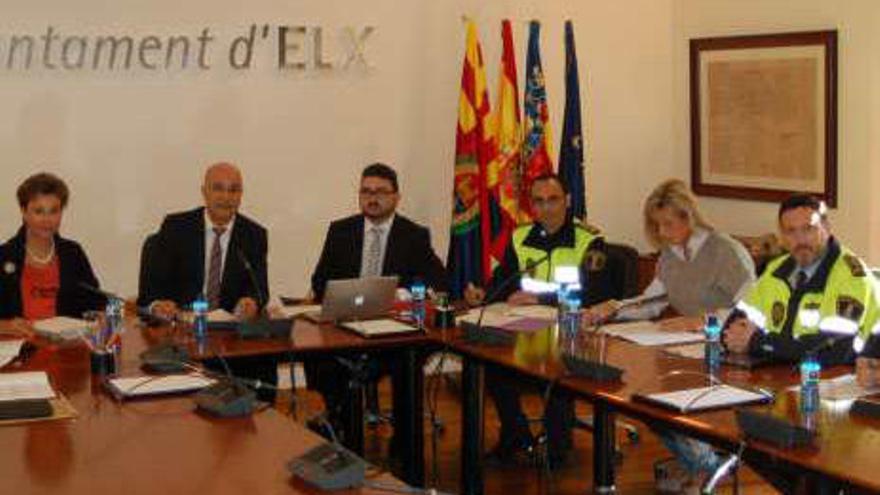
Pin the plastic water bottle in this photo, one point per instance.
(113, 317)
(810, 371)
(713, 350)
(200, 317)
(569, 300)
(419, 293)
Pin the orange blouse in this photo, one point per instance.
(39, 290)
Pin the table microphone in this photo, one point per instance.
(262, 326)
(261, 300)
(475, 331)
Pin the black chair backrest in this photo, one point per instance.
(148, 262)
(623, 262)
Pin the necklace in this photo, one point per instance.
(42, 260)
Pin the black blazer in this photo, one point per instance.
(73, 269)
(176, 263)
(408, 254)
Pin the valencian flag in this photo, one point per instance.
(503, 173)
(474, 149)
(536, 143)
(571, 150)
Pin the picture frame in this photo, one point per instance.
(764, 116)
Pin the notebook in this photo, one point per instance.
(379, 328)
(704, 398)
(146, 385)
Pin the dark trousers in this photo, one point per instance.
(336, 379)
(505, 391)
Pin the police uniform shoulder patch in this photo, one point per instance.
(850, 308)
(594, 260)
(592, 229)
(855, 265)
(777, 313)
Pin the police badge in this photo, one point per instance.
(850, 308)
(777, 313)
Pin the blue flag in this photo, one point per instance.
(571, 149)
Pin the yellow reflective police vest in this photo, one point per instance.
(839, 299)
(560, 256)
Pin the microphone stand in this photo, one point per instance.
(475, 333)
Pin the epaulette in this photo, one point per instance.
(855, 265)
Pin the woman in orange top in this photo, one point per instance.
(41, 273)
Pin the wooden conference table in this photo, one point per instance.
(847, 449)
(162, 445)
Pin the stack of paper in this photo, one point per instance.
(697, 399)
(513, 318)
(377, 328)
(844, 387)
(25, 385)
(135, 386)
(294, 311)
(648, 333)
(9, 350)
(61, 327)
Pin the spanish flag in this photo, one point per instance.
(468, 258)
(504, 172)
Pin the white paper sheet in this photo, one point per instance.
(844, 387)
(649, 333)
(294, 311)
(25, 385)
(501, 314)
(696, 399)
(134, 386)
(375, 328)
(61, 327)
(9, 350)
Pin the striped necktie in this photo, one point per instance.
(214, 269)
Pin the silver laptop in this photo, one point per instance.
(356, 299)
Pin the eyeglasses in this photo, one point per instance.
(547, 202)
(380, 193)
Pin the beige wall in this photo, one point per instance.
(856, 218)
(133, 146)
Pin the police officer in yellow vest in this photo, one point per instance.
(818, 298)
(553, 240)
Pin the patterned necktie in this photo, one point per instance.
(374, 253)
(214, 267)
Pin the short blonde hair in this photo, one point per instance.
(673, 194)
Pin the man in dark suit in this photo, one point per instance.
(395, 245)
(378, 241)
(213, 251)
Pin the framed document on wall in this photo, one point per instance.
(764, 116)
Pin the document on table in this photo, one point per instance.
(9, 350)
(702, 398)
(649, 333)
(294, 311)
(844, 387)
(514, 318)
(61, 327)
(25, 385)
(136, 386)
(689, 351)
(378, 328)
